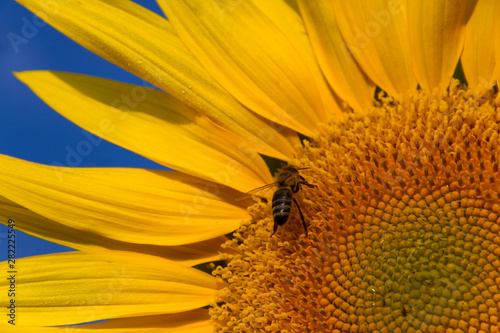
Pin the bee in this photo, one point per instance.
(288, 182)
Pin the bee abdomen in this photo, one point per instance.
(282, 205)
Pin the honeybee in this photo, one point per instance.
(288, 181)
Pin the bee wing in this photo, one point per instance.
(257, 192)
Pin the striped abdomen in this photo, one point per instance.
(282, 205)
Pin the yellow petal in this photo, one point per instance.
(87, 240)
(6, 327)
(496, 44)
(285, 16)
(376, 34)
(143, 43)
(128, 205)
(152, 124)
(437, 33)
(478, 60)
(76, 287)
(194, 321)
(248, 55)
(338, 65)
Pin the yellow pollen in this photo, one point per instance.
(403, 228)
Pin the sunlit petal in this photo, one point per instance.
(478, 60)
(337, 63)
(195, 321)
(128, 205)
(76, 287)
(6, 327)
(496, 44)
(285, 15)
(88, 240)
(143, 43)
(152, 124)
(437, 34)
(248, 55)
(376, 34)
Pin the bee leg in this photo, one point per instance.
(303, 181)
(301, 216)
(275, 227)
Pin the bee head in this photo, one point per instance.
(288, 176)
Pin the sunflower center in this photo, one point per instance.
(403, 228)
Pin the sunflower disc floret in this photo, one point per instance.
(404, 229)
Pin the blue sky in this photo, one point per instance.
(31, 130)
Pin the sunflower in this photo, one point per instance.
(403, 212)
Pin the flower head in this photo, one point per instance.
(403, 231)
(402, 208)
